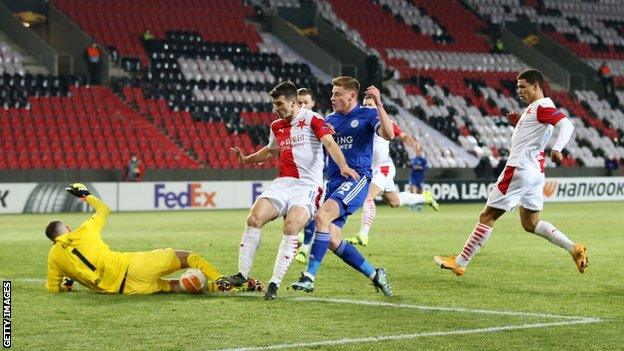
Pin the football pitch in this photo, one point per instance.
(519, 293)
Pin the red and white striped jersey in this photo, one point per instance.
(532, 132)
(299, 143)
(381, 148)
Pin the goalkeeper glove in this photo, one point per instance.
(78, 190)
(68, 283)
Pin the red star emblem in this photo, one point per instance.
(301, 124)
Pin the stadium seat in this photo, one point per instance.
(80, 141)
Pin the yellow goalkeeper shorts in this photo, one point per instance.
(147, 268)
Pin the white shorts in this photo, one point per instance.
(286, 193)
(383, 177)
(518, 186)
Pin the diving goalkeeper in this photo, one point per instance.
(81, 255)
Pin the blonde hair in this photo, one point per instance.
(349, 83)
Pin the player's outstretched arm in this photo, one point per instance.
(96, 222)
(259, 156)
(407, 139)
(80, 190)
(386, 130)
(566, 128)
(336, 154)
(101, 209)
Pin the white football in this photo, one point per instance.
(193, 281)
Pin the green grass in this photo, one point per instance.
(516, 271)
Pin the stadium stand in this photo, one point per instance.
(462, 90)
(208, 72)
(222, 72)
(222, 83)
(382, 30)
(213, 78)
(592, 30)
(10, 60)
(90, 128)
(120, 24)
(16, 89)
(209, 141)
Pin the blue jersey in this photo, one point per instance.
(418, 166)
(354, 135)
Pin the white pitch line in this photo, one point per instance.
(385, 304)
(25, 280)
(436, 308)
(568, 320)
(415, 335)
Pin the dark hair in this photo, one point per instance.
(287, 89)
(349, 83)
(305, 91)
(532, 76)
(369, 96)
(52, 229)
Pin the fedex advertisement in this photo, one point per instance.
(141, 196)
(198, 195)
(194, 196)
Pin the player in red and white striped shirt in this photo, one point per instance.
(306, 100)
(297, 137)
(522, 181)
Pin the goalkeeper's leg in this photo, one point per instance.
(146, 269)
(193, 260)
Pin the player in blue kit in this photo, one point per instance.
(354, 127)
(419, 167)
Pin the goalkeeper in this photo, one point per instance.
(81, 255)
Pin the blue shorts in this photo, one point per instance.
(417, 181)
(349, 194)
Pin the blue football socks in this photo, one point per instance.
(317, 252)
(351, 256)
(308, 233)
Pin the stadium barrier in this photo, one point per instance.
(197, 195)
(145, 196)
(555, 189)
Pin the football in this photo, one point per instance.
(193, 281)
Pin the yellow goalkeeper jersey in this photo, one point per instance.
(83, 256)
